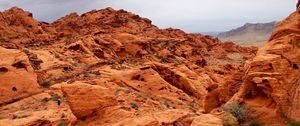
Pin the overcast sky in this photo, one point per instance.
(189, 15)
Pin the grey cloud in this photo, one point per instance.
(189, 15)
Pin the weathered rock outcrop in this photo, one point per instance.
(85, 98)
(112, 67)
(48, 108)
(18, 27)
(17, 78)
(271, 82)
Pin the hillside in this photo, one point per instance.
(250, 34)
(112, 67)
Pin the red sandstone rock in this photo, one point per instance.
(40, 109)
(112, 67)
(270, 87)
(17, 78)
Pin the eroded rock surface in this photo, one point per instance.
(112, 67)
(271, 84)
(17, 78)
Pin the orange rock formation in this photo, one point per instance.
(112, 67)
(271, 82)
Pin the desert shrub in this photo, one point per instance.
(14, 117)
(26, 51)
(240, 112)
(56, 98)
(45, 100)
(96, 73)
(63, 115)
(293, 123)
(193, 107)
(62, 124)
(253, 123)
(167, 104)
(134, 106)
(45, 84)
(56, 56)
(230, 120)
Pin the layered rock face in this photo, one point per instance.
(109, 67)
(271, 82)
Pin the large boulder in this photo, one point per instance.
(84, 98)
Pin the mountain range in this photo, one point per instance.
(250, 34)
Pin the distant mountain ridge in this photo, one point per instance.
(214, 34)
(251, 34)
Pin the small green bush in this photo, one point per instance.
(62, 115)
(55, 97)
(134, 106)
(167, 104)
(293, 123)
(230, 120)
(56, 55)
(45, 84)
(240, 112)
(193, 107)
(45, 100)
(253, 123)
(62, 124)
